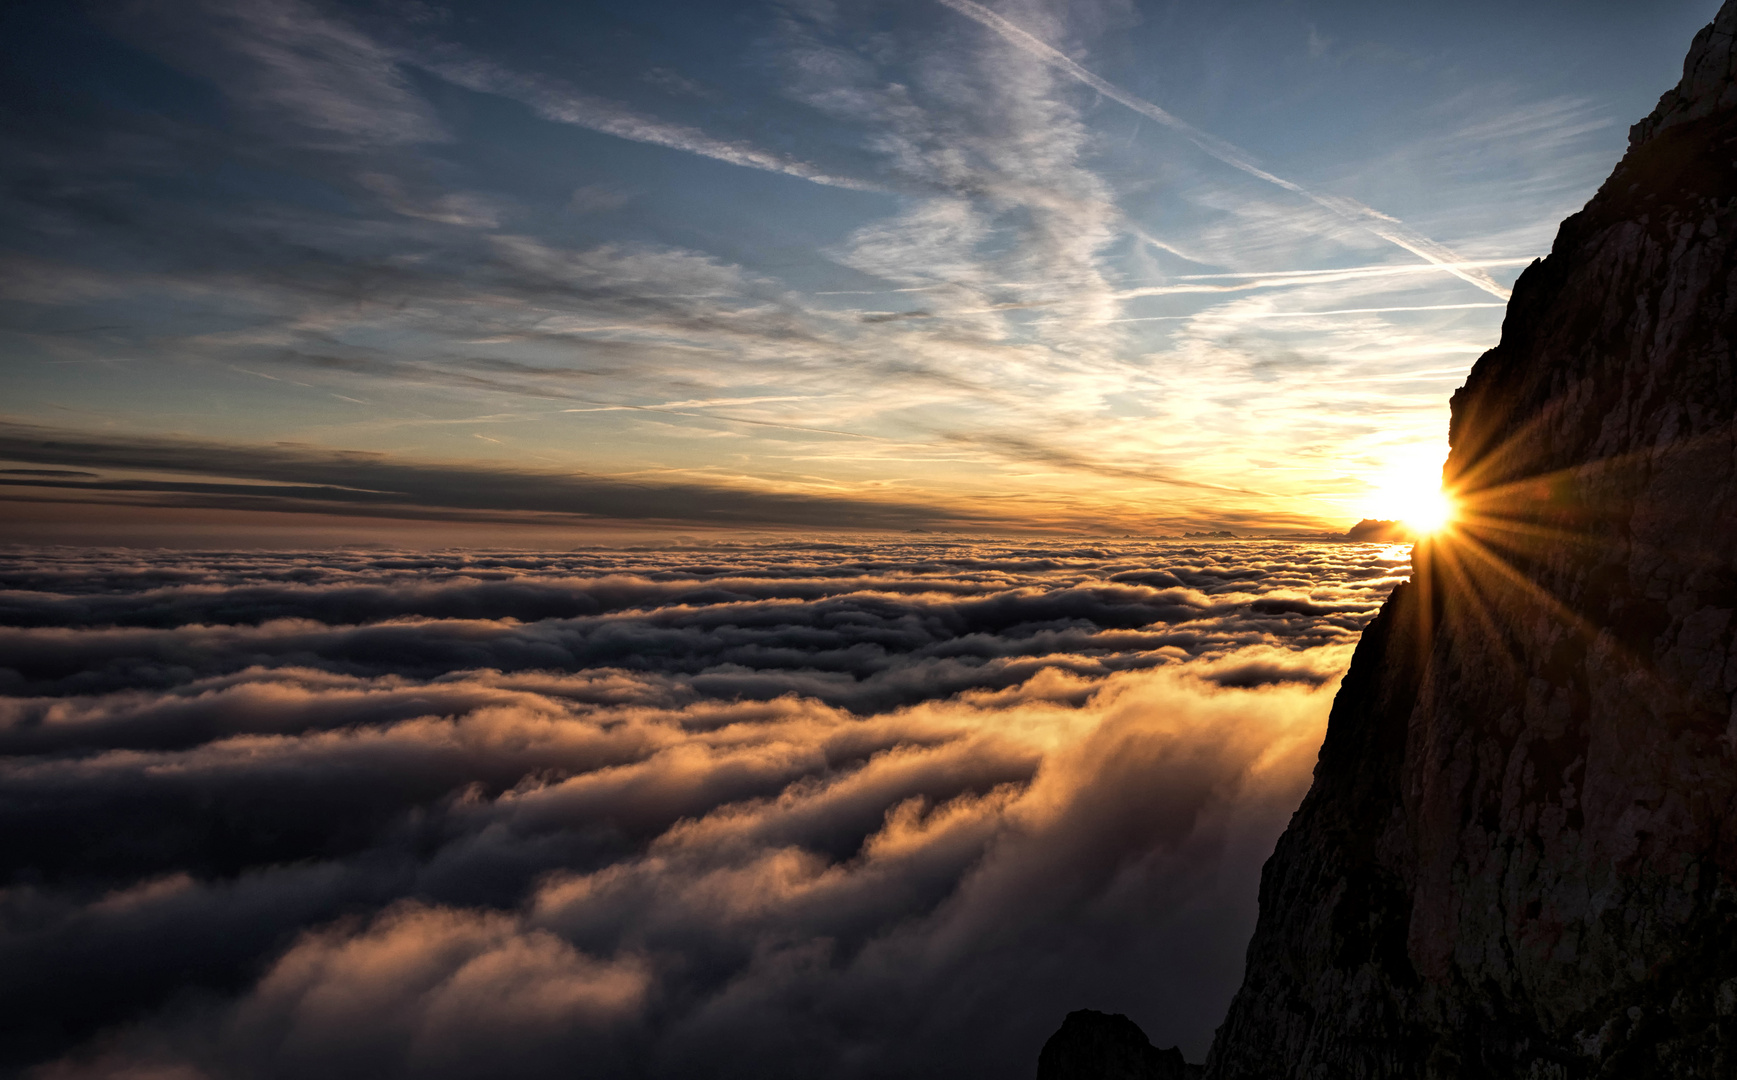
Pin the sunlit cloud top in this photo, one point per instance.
(1115, 267)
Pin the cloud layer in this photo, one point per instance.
(197, 474)
(762, 810)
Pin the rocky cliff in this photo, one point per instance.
(1519, 855)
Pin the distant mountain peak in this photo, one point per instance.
(1380, 530)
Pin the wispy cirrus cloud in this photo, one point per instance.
(555, 101)
(288, 64)
(1386, 226)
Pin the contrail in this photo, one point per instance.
(1304, 314)
(564, 105)
(1389, 268)
(611, 406)
(1272, 279)
(1386, 226)
(1146, 237)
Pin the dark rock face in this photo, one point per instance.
(1519, 855)
(1107, 1046)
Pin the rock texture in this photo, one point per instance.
(1108, 1046)
(1519, 855)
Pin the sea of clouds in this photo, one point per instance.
(764, 810)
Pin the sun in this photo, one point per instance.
(1411, 493)
(1426, 511)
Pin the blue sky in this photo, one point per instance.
(1124, 267)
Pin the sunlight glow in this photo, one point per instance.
(1428, 511)
(1412, 495)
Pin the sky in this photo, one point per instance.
(759, 810)
(461, 272)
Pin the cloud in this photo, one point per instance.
(69, 474)
(426, 990)
(1025, 449)
(562, 104)
(1013, 212)
(1386, 226)
(743, 810)
(304, 479)
(419, 991)
(456, 208)
(284, 62)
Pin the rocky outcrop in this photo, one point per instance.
(1092, 1045)
(1519, 854)
(1375, 530)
